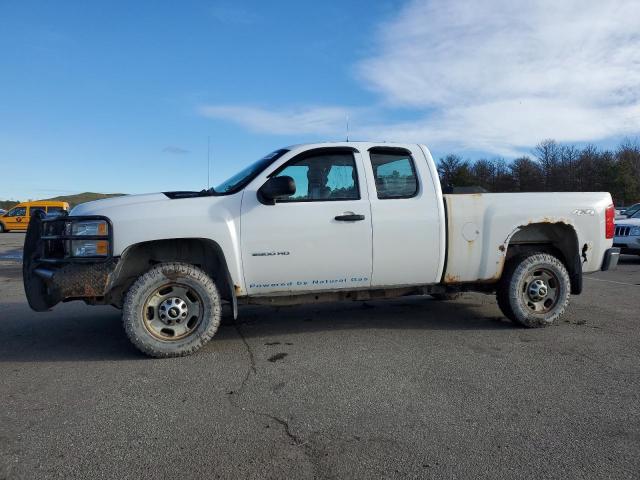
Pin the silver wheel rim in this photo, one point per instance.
(541, 290)
(173, 312)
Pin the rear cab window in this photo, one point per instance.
(394, 173)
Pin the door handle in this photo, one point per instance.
(349, 217)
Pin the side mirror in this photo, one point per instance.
(275, 188)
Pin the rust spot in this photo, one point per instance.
(501, 248)
(497, 275)
(237, 288)
(448, 278)
(83, 280)
(500, 268)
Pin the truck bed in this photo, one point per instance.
(480, 226)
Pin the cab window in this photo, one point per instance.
(322, 177)
(17, 212)
(33, 210)
(394, 174)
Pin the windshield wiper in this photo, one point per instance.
(191, 194)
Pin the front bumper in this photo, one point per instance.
(611, 257)
(628, 244)
(50, 277)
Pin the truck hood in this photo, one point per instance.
(98, 207)
(158, 216)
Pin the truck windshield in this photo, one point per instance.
(243, 177)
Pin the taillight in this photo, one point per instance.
(609, 224)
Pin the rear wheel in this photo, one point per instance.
(534, 290)
(172, 310)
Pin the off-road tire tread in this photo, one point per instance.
(502, 293)
(507, 298)
(135, 295)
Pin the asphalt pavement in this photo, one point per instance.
(406, 388)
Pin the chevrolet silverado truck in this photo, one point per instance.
(311, 223)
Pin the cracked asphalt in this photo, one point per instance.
(407, 388)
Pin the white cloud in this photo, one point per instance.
(501, 74)
(307, 121)
(496, 75)
(175, 150)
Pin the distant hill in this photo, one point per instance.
(72, 199)
(7, 204)
(84, 197)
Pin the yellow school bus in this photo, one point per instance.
(18, 217)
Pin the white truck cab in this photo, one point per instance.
(315, 222)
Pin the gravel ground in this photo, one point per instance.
(403, 388)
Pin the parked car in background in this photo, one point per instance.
(2, 211)
(627, 234)
(628, 211)
(18, 217)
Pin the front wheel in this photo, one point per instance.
(2, 228)
(534, 289)
(172, 310)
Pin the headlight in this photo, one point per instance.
(89, 227)
(634, 231)
(90, 247)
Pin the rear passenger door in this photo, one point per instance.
(405, 218)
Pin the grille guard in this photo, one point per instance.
(50, 275)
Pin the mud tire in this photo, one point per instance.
(136, 301)
(512, 294)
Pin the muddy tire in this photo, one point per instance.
(172, 310)
(446, 296)
(534, 290)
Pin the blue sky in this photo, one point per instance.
(121, 96)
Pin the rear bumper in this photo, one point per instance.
(610, 261)
(48, 282)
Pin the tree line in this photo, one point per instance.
(552, 167)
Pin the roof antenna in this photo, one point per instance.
(208, 160)
(347, 127)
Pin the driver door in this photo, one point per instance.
(319, 238)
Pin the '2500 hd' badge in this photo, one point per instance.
(268, 254)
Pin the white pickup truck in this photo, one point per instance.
(310, 223)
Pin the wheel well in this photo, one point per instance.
(557, 239)
(201, 252)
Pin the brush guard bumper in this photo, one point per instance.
(50, 275)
